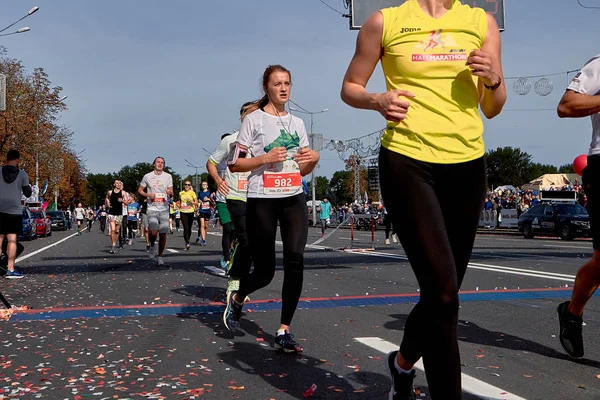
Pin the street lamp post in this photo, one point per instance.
(20, 30)
(312, 145)
(37, 152)
(195, 175)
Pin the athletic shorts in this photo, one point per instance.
(117, 218)
(144, 221)
(172, 216)
(10, 223)
(158, 221)
(205, 216)
(591, 185)
(132, 224)
(80, 220)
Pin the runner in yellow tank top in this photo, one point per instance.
(442, 63)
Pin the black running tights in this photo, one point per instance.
(262, 216)
(187, 219)
(243, 258)
(227, 239)
(437, 230)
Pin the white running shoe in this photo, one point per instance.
(387, 241)
(395, 238)
(152, 253)
(161, 261)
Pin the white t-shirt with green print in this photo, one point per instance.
(261, 132)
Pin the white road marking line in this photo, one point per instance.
(172, 251)
(486, 267)
(469, 384)
(215, 270)
(44, 248)
(569, 247)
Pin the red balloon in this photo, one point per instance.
(580, 163)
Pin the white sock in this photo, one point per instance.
(399, 369)
(280, 332)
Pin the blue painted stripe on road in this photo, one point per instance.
(162, 310)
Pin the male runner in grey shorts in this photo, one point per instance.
(157, 187)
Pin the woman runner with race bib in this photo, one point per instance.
(278, 144)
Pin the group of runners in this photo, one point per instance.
(434, 137)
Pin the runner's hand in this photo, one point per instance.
(391, 106)
(480, 63)
(306, 155)
(275, 155)
(223, 187)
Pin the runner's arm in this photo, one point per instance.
(222, 185)
(142, 192)
(577, 105)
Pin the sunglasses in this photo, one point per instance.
(187, 184)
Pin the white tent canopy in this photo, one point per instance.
(505, 188)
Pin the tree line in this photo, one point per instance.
(30, 123)
(505, 166)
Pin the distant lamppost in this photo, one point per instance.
(37, 153)
(316, 143)
(189, 164)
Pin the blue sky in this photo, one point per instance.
(154, 77)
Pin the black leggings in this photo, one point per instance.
(387, 221)
(187, 219)
(227, 239)
(262, 217)
(242, 259)
(437, 233)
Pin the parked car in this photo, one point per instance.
(29, 229)
(565, 220)
(42, 222)
(59, 220)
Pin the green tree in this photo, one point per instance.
(508, 166)
(97, 186)
(321, 187)
(566, 169)
(341, 187)
(536, 170)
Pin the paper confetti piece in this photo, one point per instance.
(310, 391)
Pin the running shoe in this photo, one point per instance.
(287, 343)
(187, 246)
(197, 239)
(571, 335)
(402, 384)
(147, 248)
(395, 238)
(203, 242)
(14, 274)
(161, 262)
(233, 285)
(232, 313)
(223, 263)
(152, 253)
(387, 241)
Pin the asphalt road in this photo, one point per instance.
(108, 326)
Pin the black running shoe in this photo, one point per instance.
(402, 384)
(287, 343)
(232, 313)
(571, 336)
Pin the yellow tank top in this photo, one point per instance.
(427, 57)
